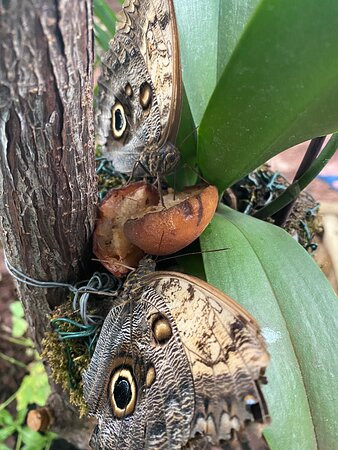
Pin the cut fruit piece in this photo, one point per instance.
(115, 252)
(165, 230)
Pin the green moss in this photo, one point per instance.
(67, 358)
(106, 182)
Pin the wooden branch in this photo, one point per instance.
(47, 181)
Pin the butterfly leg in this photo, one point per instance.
(131, 176)
(159, 188)
(158, 178)
(138, 163)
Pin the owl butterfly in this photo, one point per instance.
(140, 90)
(178, 364)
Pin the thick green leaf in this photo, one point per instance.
(278, 282)
(280, 87)
(208, 33)
(102, 37)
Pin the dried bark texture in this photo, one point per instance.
(47, 182)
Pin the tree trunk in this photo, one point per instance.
(48, 186)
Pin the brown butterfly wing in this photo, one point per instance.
(227, 357)
(196, 359)
(142, 63)
(152, 24)
(158, 413)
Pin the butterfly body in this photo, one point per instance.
(195, 359)
(139, 100)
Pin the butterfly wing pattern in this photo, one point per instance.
(227, 357)
(158, 406)
(178, 364)
(140, 89)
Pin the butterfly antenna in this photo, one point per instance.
(131, 176)
(174, 196)
(184, 159)
(196, 171)
(115, 263)
(195, 253)
(188, 136)
(159, 188)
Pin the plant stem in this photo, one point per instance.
(25, 342)
(292, 191)
(8, 401)
(18, 441)
(13, 361)
(310, 155)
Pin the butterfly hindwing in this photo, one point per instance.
(152, 23)
(227, 357)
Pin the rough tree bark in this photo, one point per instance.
(47, 181)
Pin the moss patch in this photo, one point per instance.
(67, 358)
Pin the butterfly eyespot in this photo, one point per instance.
(119, 122)
(161, 329)
(128, 90)
(145, 95)
(122, 392)
(151, 376)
